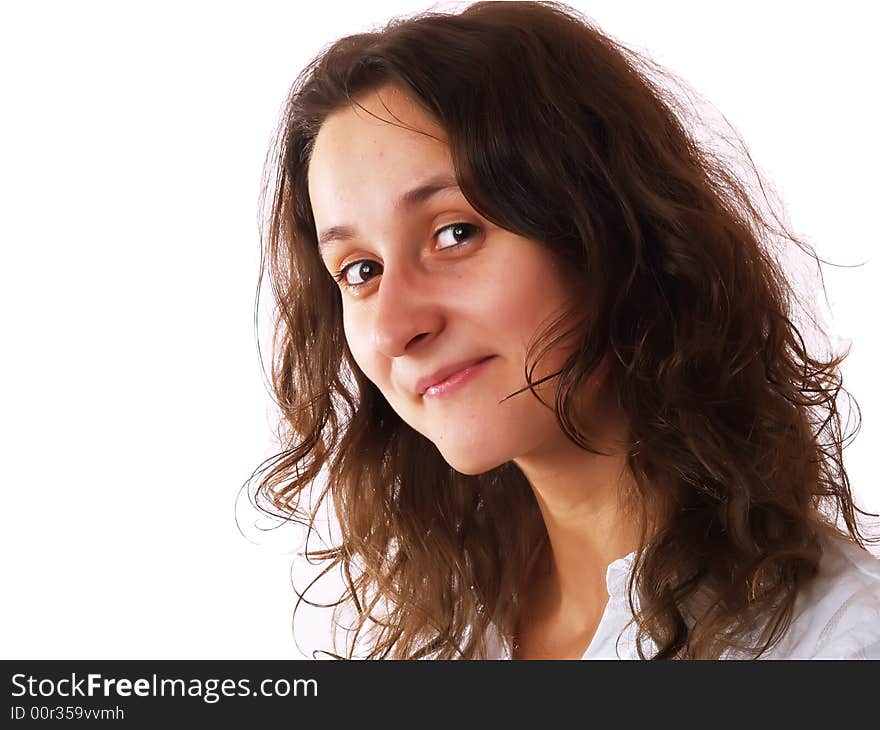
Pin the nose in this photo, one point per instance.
(406, 311)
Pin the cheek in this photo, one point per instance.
(524, 310)
(355, 340)
(360, 344)
(527, 311)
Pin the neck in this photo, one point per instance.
(580, 497)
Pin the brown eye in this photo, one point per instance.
(461, 233)
(363, 268)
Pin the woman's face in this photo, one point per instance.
(419, 302)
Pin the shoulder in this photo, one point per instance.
(837, 615)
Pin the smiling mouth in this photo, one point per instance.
(456, 380)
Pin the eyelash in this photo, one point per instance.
(340, 275)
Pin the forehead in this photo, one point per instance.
(361, 162)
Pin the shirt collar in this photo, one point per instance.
(617, 575)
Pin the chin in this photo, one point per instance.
(471, 464)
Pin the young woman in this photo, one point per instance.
(531, 334)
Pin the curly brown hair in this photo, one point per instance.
(735, 440)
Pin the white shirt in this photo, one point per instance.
(836, 616)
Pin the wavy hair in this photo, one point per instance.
(562, 135)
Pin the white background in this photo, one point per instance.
(132, 138)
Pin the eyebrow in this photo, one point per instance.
(418, 195)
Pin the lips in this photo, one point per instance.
(438, 376)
